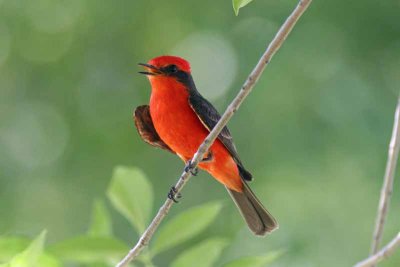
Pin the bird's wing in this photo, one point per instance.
(209, 116)
(145, 127)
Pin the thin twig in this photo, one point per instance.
(384, 201)
(232, 108)
(387, 186)
(382, 254)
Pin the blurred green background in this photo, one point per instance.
(314, 132)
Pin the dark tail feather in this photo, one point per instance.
(259, 220)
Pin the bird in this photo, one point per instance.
(178, 119)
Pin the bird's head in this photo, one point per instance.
(167, 67)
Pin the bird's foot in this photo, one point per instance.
(174, 193)
(189, 168)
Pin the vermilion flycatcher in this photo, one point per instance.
(179, 119)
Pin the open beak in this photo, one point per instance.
(153, 69)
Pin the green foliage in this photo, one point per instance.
(9, 246)
(202, 255)
(30, 256)
(101, 264)
(48, 260)
(132, 195)
(255, 261)
(99, 247)
(185, 225)
(90, 249)
(101, 220)
(33, 255)
(238, 4)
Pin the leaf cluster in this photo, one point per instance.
(131, 194)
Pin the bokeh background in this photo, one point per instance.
(314, 132)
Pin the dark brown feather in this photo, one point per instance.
(145, 127)
(259, 220)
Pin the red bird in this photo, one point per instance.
(179, 119)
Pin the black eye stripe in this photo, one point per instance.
(180, 75)
(171, 69)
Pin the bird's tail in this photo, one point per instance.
(259, 220)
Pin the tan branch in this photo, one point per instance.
(232, 108)
(387, 186)
(382, 254)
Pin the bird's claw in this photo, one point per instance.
(174, 193)
(189, 168)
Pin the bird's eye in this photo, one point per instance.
(171, 68)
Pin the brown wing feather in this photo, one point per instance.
(145, 127)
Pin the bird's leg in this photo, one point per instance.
(172, 193)
(189, 168)
(195, 171)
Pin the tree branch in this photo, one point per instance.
(381, 255)
(387, 186)
(384, 201)
(232, 108)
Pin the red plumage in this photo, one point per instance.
(178, 119)
(180, 128)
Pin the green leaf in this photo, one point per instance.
(202, 255)
(132, 195)
(30, 256)
(185, 225)
(101, 221)
(100, 264)
(237, 4)
(90, 249)
(47, 260)
(10, 246)
(255, 261)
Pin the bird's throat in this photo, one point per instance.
(174, 119)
